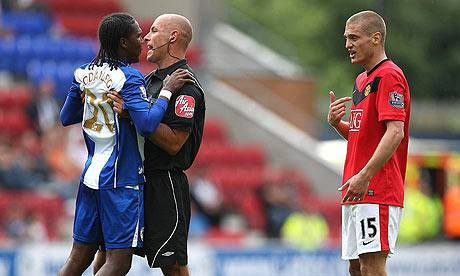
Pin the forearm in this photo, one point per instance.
(168, 139)
(147, 122)
(72, 110)
(342, 129)
(385, 149)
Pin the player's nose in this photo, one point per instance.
(348, 44)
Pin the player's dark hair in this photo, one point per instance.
(112, 28)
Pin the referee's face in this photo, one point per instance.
(157, 41)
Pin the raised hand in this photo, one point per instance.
(337, 109)
(177, 79)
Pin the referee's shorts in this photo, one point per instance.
(166, 218)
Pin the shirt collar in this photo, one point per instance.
(162, 73)
(377, 66)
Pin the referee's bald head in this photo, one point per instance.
(179, 23)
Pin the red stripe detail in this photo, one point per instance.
(383, 217)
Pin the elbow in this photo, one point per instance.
(64, 123)
(399, 135)
(64, 120)
(144, 132)
(173, 149)
(145, 129)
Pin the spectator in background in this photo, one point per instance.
(4, 32)
(423, 209)
(35, 229)
(305, 231)
(206, 197)
(279, 200)
(43, 110)
(19, 169)
(23, 6)
(23, 226)
(15, 224)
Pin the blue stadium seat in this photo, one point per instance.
(26, 23)
(7, 50)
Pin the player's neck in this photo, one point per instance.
(376, 59)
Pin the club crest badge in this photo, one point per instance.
(367, 90)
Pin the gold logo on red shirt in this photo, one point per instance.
(367, 90)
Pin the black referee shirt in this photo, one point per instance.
(186, 111)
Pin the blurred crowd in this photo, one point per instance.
(41, 161)
(236, 195)
(44, 159)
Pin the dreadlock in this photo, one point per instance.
(111, 29)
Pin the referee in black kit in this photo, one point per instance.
(170, 150)
(175, 145)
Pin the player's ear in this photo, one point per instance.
(377, 38)
(123, 43)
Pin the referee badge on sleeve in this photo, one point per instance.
(185, 106)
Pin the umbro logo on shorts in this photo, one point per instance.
(167, 254)
(366, 243)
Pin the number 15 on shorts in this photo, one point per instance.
(369, 228)
(368, 224)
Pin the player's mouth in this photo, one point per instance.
(352, 54)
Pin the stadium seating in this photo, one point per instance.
(22, 23)
(240, 171)
(36, 53)
(79, 25)
(87, 7)
(13, 118)
(48, 208)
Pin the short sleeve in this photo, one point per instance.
(133, 92)
(391, 98)
(185, 107)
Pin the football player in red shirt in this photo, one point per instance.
(377, 134)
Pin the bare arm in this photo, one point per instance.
(337, 110)
(168, 139)
(388, 144)
(342, 129)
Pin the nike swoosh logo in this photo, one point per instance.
(366, 243)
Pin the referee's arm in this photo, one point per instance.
(169, 139)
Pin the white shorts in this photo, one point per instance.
(369, 228)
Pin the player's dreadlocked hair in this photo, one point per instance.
(111, 29)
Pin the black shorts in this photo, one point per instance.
(166, 218)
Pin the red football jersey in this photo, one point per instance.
(379, 95)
